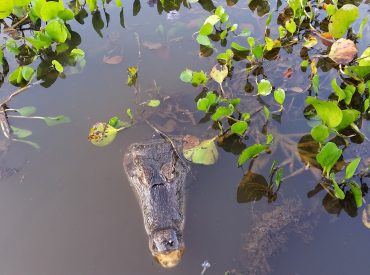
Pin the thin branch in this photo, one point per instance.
(17, 92)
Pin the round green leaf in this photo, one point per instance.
(251, 152)
(328, 111)
(57, 66)
(320, 133)
(186, 75)
(206, 29)
(66, 15)
(153, 103)
(203, 40)
(342, 20)
(102, 134)
(6, 7)
(239, 127)
(279, 95)
(50, 10)
(204, 153)
(27, 73)
(264, 87)
(57, 31)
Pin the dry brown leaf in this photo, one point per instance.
(326, 38)
(113, 60)
(343, 51)
(288, 73)
(296, 89)
(190, 142)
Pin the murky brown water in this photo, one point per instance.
(70, 209)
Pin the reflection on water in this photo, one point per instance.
(69, 209)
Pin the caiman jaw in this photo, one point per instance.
(167, 247)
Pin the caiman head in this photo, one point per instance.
(157, 175)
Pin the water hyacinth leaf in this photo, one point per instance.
(205, 153)
(343, 51)
(212, 19)
(291, 26)
(349, 116)
(6, 8)
(342, 19)
(199, 78)
(222, 112)
(351, 168)
(204, 40)
(279, 96)
(282, 32)
(16, 76)
(26, 111)
(364, 59)
(337, 191)
(251, 152)
(56, 30)
(315, 83)
(27, 73)
(269, 43)
(102, 134)
(77, 53)
(320, 133)
(51, 121)
(186, 76)
(238, 47)
(203, 104)
(304, 64)
(50, 10)
(328, 156)
(219, 75)
(206, 29)
(264, 87)
(153, 103)
(357, 193)
(20, 133)
(328, 111)
(58, 67)
(66, 15)
(361, 28)
(258, 51)
(338, 90)
(239, 127)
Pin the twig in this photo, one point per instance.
(4, 123)
(167, 138)
(16, 24)
(17, 92)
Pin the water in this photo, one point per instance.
(70, 209)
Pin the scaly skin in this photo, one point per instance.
(157, 176)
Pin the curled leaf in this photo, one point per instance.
(101, 134)
(219, 75)
(203, 153)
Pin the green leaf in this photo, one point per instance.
(102, 134)
(320, 133)
(342, 20)
(186, 76)
(205, 153)
(26, 111)
(361, 28)
(245, 32)
(269, 139)
(258, 51)
(58, 67)
(330, 9)
(27, 73)
(266, 112)
(219, 11)
(199, 78)
(251, 41)
(337, 191)
(91, 4)
(204, 40)
(153, 103)
(20, 133)
(291, 26)
(136, 7)
(51, 121)
(6, 7)
(349, 116)
(239, 127)
(282, 32)
(12, 46)
(238, 47)
(328, 111)
(118, 3)
(269, 43)
(364, 59)
(212, 19)
(338, 90)
(251, 152)
(315, 83)
(357, 193)
(328, 156)
(1, 56)
(279, 96)
(57, 30)
(206, 29)
(77, 53)
(129, 114)
(221, 112)
(279, 176)
(16, 76)
(66, 15)
(50, 10)
(264, 87)
(351, 168)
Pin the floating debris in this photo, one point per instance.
(205, 266)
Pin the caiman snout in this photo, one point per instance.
(167, 247)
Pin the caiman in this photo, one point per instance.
(157, 174)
